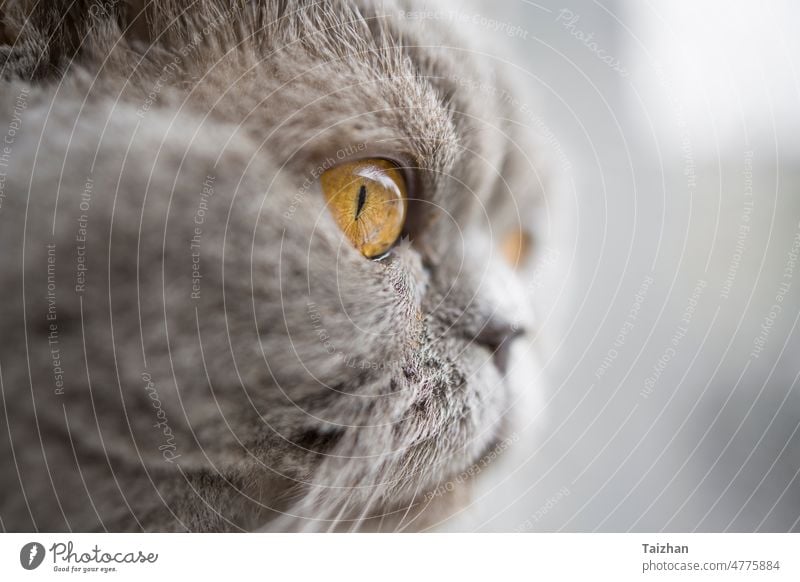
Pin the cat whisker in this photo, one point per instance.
(398, 527)
(367, 506)
(338, 519)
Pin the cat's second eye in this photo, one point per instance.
(515, 247)
(368, 200)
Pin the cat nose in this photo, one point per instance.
(497, 335)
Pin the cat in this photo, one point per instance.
(189, 340)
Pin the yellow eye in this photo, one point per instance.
(516, 246)
(368, 200)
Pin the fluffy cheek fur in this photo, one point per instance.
(390, 397)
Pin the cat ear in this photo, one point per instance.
(135, 20)
(37, 37)
(7, 33)
(19, 57)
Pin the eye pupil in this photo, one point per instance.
(362, 199)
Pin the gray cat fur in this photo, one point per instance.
(307, 388)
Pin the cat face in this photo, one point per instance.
(326, 385)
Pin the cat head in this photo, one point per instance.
(332, 385)
(394, 372)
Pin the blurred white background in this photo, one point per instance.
(672, 397)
